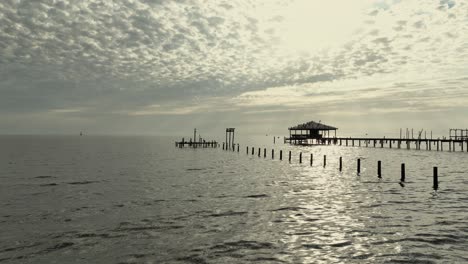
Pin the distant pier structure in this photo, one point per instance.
(313, 133)
(196, 143)
(230, 138)
(309, 133)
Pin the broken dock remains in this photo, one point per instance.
(196, 143)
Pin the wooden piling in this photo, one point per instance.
(281, 154)
(237, 147)
(247, 150)
(341, 163)
(223, 145)
(253, 151)
(402, 178)
(324, 160)
(264, 152)
(259, 150)
(272, 154)
(289, 156)
(435, 179)
(379, 169)
(358, 166)
(300, 157)
(311, 159)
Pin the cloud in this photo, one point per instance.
(124, 57)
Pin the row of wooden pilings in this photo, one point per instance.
(438, 143)
(435, 176)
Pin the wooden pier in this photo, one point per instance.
(203, 144)
(200, 143)
(398, 143)
(313, 133)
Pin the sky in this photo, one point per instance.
(160, 67)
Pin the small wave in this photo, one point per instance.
(194, 169)
(94, 235)
(362, 256)
(288, 208)
(193, 259)
(314, 246)
(340, 244)
(44, 177)
(48, 184)
(58, 247)
(243, 244)
(128, 227)
(20, 247)
(256, 196)
(266, 259)
(81, 182)
(228, 213)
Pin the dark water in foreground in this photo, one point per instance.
(141, 200)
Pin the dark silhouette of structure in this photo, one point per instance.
(230, 138)
(308, 132)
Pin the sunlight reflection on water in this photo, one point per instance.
(146, 201)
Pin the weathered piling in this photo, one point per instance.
(289, 156)
(281, 154)
(324, 160)
(435, 179)
(341, 163)
(253, 151)
(237, 147)
(259, 149)
(311, 159)
(379, 169)
(403, 176)
(358, 166)
(223, 145)
(264, 152)
(300, 157)
(247, 149)
(272, 154)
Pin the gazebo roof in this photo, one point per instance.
(312, 126)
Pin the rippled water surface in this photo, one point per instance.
(141, 200)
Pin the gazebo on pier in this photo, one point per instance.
(302, 133)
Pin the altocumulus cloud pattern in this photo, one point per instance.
(146, 57)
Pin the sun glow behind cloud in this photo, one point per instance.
(310, 26)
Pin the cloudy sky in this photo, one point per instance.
(164, 67)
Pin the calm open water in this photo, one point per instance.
(96, 199)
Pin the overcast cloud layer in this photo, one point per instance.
(154, 66)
